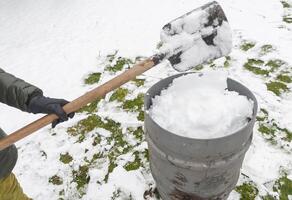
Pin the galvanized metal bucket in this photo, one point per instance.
(192, 169)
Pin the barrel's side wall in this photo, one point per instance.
(186, 168)
(206, 180)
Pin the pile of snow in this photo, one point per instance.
(199, 106)
(184, 37)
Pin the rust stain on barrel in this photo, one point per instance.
(180, 195)
(180, 179)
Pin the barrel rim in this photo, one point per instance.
(148, 100)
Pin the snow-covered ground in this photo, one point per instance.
(57, 44)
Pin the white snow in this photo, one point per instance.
(186, 36)
(199, 106)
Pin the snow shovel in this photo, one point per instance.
(192, 39)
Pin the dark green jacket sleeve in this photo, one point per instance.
(16, 92)
(8, 158)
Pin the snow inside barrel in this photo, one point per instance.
(198, 133)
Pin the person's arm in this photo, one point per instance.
(16, 92)
(26, 97)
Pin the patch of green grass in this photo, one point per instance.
(254, 65)
(266, 127)
(159, 45)
(287, 19)
(247, 191)
(116, 132)
(91, 163)
(91, 122)
(110, 125)
(138, 133)
(146, 154)
(198, 67)
(93, 78)
(286, 4)
(140, 116)
(263, 115)
(62, 192)
(267, 130)
(96, 140)
(255, 61)
(134, 165)
(268, 197)
(81, 178)
(117, 141)
(134, 105)
(65, 158)
(89, 108)
(227, 61)
(119, 95)
(139, 82)
(259, 67)
(111, 57)
(84, 126)
(112, 165)
(284, 78)
(267, 48)
(271, 130)
(56, 180)
(96, 156)
(120, 147)
(213, 66)
(275, 64)
(260, 118)
(277, 87)
(246, 45)
(119, 64)
(287, 133)
(283, 186)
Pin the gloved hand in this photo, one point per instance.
(46, 105)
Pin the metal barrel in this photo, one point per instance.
(196, 169)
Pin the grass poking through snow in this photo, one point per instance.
(247, 45)
(272, 132)
(247, 191)
(124, 140)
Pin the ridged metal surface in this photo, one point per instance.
(195, 169)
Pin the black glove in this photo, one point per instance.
(46, 105)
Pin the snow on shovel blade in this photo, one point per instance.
(196, 37)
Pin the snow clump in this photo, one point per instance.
(200, 106)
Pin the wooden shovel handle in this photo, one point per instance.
(81, 101)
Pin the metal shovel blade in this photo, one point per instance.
(196, 37)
